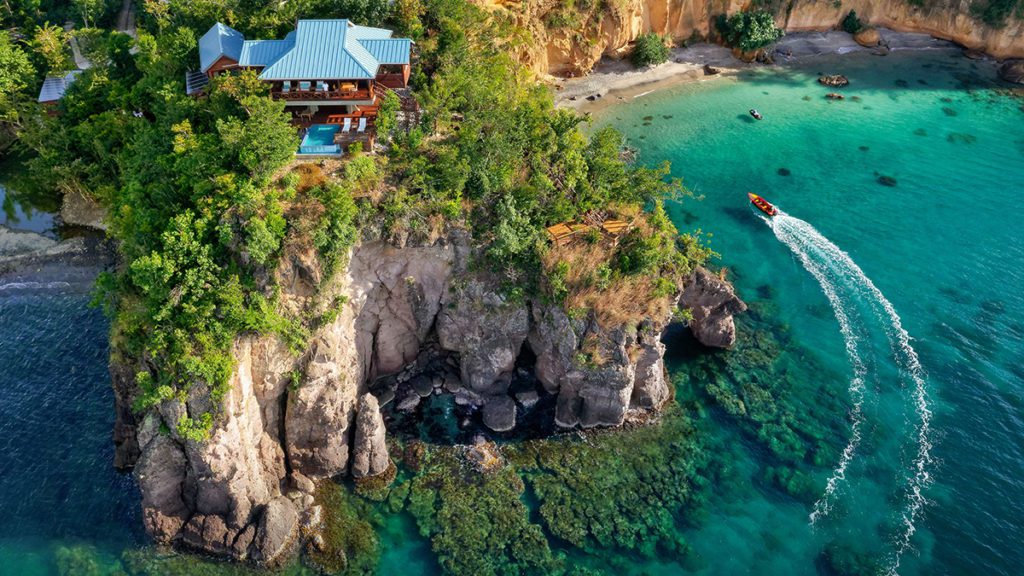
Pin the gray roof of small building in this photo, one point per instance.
(54, 87)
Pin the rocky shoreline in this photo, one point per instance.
(417, 322)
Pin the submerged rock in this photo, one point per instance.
(713, 302)
(369, 450)
(1012, 71)
(277, 531)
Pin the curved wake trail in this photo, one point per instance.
(856, 389)
(823, 259)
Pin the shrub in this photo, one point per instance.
(749, 31)
(650, 49)
(852, 23)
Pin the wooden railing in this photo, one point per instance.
(322, 94)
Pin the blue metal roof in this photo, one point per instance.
(336, 50)
(219, 40)
(389, 51)
(263, 52)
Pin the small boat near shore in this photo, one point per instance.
(756, 114)
(762, 204)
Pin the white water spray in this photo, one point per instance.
(804, 240)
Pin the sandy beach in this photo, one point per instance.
(616, 80)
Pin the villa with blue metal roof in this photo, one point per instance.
(321, 63)
(329, 72)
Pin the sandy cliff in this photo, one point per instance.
(572, 45)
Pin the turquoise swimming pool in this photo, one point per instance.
(319, 140)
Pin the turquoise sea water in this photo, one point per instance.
(944, 247)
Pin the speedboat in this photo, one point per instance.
(762, 204)
(755, 113)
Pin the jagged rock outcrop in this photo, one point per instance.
(369, 450)
(1012, 71)
(712, 302)
(609, 28)
(289, 421)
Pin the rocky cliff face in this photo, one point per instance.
(289, 421)
(572, 47)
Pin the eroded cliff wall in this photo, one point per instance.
(289, 420)
(570, 44)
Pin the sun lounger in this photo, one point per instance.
(362, 126)
(304, 85)
(347, 125)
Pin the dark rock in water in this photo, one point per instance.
(409, 403)
(277, 530)
(806, 98)
(834, 96)
(946, 100)
(887, 181)
(920, 132)
(710, 70)
(973, 54)
(833, 80)
(1012, 71)
(855, 98)
(423, 385)
(648, 118)
(902, 83)
(948, 111)
(500, 413)
(863, 148)
(959, 137)
(784, 172)
(713, 302)
(528, 399)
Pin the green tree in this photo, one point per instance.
(50, 42)
(649, 49)
(852, 23)
(89, 10)
(386, 114)
(749, 31)
(16, 75)
(262, 141)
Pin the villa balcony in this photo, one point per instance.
(322, 92)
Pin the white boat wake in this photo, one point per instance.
(842, 280)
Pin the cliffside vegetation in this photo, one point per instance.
(203, 196)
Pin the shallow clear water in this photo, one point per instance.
(944, 246)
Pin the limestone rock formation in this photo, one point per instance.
(1012, 71)
(868, 37)
(369, 450)
(713, 303)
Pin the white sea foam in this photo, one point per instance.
(856, 389)
(12, 286)
(919, 477)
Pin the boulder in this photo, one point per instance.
(209, 533)
(423, 385)
(277, 530)
(160, 473)
(833, 80)
(650, 388)
(713, 302)
(79, 210)
(868, 37)
(500, 413)
(1012, 71)
(486, 330)
(369, 450)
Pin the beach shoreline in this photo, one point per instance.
(616, 80)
